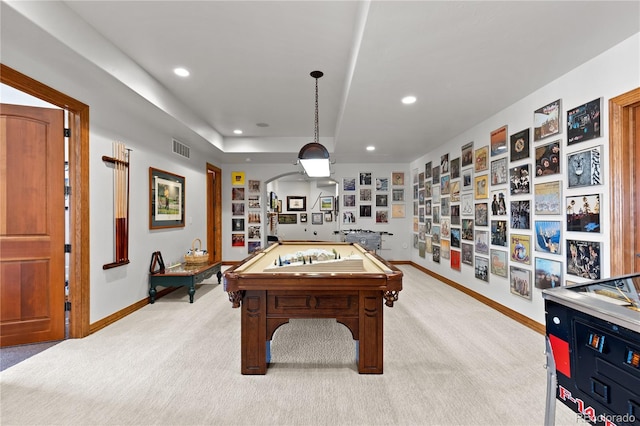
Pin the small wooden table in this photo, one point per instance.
(182, 275)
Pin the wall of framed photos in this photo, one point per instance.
(520, 202)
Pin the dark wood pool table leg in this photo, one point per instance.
(370, 348)
(253, 331)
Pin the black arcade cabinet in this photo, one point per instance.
(593, 335)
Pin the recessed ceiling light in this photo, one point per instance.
(237, 131)
(371, 148)
(182, 72)
(408, 100)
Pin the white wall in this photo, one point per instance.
(614, 72)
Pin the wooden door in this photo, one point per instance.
(636, 176)
(31, 225)
(624, 172)
(214, 213)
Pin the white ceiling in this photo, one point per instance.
(250, 63)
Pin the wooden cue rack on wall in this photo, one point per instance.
(120, 161)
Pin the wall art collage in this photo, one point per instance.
(369, 197)
(246, 206)
(499, 207)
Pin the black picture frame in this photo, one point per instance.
(296, 203)
(166, 199)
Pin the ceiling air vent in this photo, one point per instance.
(181, 149)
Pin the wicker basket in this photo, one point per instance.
(196, 259)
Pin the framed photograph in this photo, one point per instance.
(455, 237)
(445, 206)
(255, 217)
(548, 158)
(435, 234)
(237, 240)
(482, 242)
(498, 202)
(254, 232)
(166, 199)
(519, 179)
(482, 268)
(583, 213)
(237, 194)
(467, 154)
(382, 216)
(397, 178)
(328, 217)
(326, 203)
(365, 210)
(254, 186)
(349, 200)
(444, 163)
(237, 178)
(519, 143)
(520, 282)
(467, 254)
(482, 158)
(435, 174)
(499, 171)
(303, 218)
(427, 171)
(520, 248)
(467, 180)
(237, 224)
(547, 236)
(237, 209)
(348, 217)
(445, 249)
(499, 141)
(348, 184)
(382, 184)
(273, 200)
(455, 214)
(254, 201)
(499, 233)
(498, 262)
(482, 214)
(316, 218)
(435, 212)
(454, 168)
(583, 259)
(466, 205)
(445, 228)
(382, 200)
(455, 260)
(481, 187)
(296, 204)
(365, 178)
(436, 254)
(583, 167)
(445, 186)
(548, 197)
(546, 120)
(583, 122)
(521, 214)
(397, 210)
(397, 194)
(548, 273)
(467, 229)
(253, 246)
(454, 189)
(287, 218)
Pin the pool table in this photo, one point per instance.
(350, 286)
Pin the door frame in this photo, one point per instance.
(622, 165)
(79, 262)
(214, 213)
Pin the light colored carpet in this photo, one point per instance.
(449, 360)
